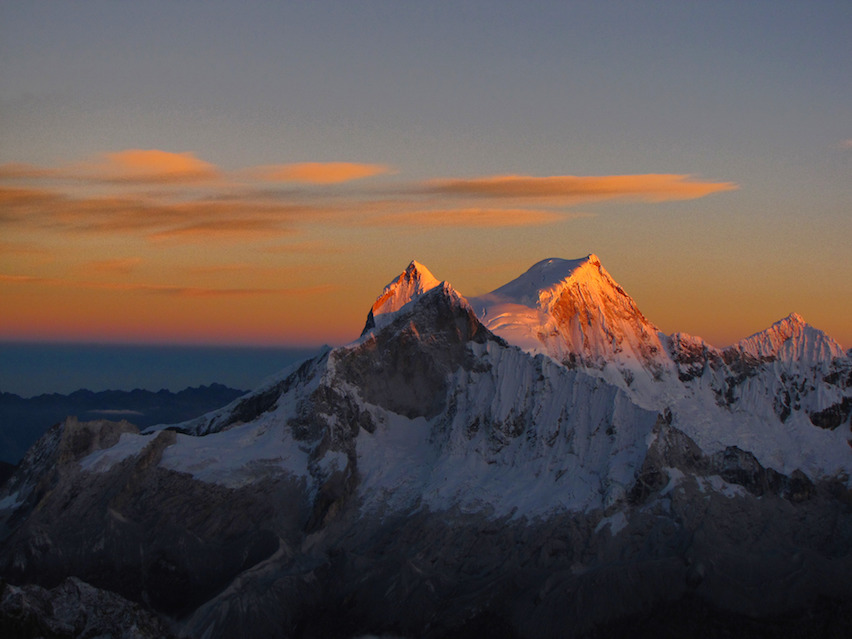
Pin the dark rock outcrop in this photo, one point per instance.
(834, 415)
(73, 610)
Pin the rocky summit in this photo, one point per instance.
(540, 461)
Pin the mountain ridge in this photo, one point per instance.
(413, 282)
(791, 339)
(24, 420)
(432, 479)
(575, 312)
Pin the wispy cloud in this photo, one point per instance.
(317, 172)
(119, 266)
(131, 166)
(189, 291)
(23, 248)
(221, 269)
(25, 279)
(162, 289)
(155, 166)
(225, 229)
(846, 144)
(308, 248)
(13, 200)
(197, 202)
(471, 217)
(20, 171)
(155, 219)
(147, 166)
(568, 189)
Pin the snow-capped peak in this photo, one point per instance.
(413, 282)
(543, 281)
(793, 318)
(575, 312)
(791, 339)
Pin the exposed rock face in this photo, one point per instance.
(693, 356)
(432, 480)
(834, 415)
(696, 539)
(149, 534)
(795, 359)
(406, 367)
(74, 609)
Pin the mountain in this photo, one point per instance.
(785, 391)
(24, 420)
(575, 312)
(74, 609)
(793, 341)
(433, 479)
(414, 281)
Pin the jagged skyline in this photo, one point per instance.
(253, 173)
(434, 479)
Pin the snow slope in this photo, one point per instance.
(791, 340)
(429, 408)
(413, 282)
(574, 312)
(764, 394)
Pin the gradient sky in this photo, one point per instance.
(256, 172)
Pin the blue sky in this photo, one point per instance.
(755, 94)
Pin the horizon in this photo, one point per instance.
(318, 344)
(29, 369)
(252, 175)
(88, 365)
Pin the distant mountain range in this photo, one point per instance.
(540, 461)
(23, 421)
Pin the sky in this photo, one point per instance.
(256, 172)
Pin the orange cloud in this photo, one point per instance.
(317, 172)
(219, 210)
(220, 269)
(566, 189)
(479, 218)
(151, 166)
(195, 291)
(157, 219)
(228, 229)
(143, 166)
(22, 248)
(310, 248)
(15, 197)
(19, 171)
(121, 266)
(252, 272)
(24, 279)
(164, 289)
(131, 166)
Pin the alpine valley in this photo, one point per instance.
(540, 461)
